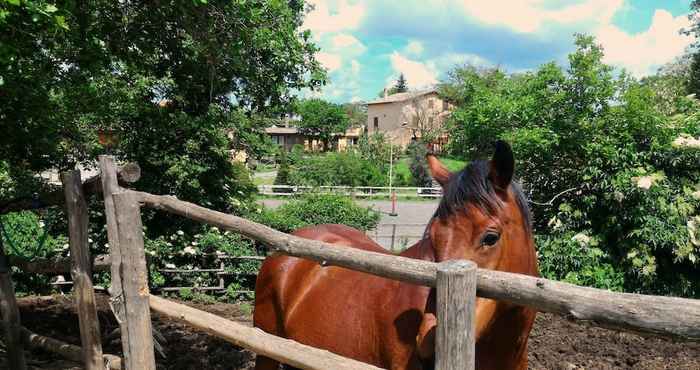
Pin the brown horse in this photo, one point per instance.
(482, 217)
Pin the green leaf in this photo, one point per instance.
(61, 22)
(51, 8)
(13, 2)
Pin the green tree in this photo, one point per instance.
(174, 80)
(608, 160)
(401, 84)
(357, 113)
(418, 165)
(322, 120)
(283, 170)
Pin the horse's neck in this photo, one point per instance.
(422, 250)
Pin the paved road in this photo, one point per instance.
(410, 221)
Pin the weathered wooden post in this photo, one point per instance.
(456, 310)
(81, 271)
(10, 315)
(129, 288)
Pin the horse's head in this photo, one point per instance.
(483, 216)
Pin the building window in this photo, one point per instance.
(376, 123)
(445, 106)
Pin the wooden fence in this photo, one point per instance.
(80, 265)
(666, 316)
(132, 302)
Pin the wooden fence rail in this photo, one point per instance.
(665, 316)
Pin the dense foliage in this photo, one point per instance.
(182, 84)
(610, 159)
(338, 169)
(322, 120)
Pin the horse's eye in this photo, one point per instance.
(490, 239)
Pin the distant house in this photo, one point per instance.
(405, 116)
(288, 136)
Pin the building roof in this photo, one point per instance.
(402, 96)
(276, 130)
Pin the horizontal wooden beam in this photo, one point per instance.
(65, 350)
(127, 174)
(665, 316)
(264, 344)
(56, 266)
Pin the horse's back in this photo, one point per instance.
(302, 300)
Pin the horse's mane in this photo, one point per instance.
(471, 185)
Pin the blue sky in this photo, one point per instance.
(365, 44)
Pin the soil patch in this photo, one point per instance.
(555, 343)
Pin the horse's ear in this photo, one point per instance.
(502, 166)
(437, 170)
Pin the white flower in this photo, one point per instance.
(554, 223)
(215, 228)
(65, 246)
(180, 232)
(169, 266)
(619, 196)
(686, 141)
(694, 230)
(89, 240)
(582, 239)
(107, 245)
(189, 250)
(41, 224)
(646, 182)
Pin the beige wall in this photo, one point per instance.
(416, 112)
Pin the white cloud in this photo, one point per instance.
(336, 16)
(642, 53)
(417, 74)
(355, 67)
(448, 61)
(345, 44)
(330, 61)
(414, 48)
(527, 16)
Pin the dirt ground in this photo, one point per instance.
(555, 343)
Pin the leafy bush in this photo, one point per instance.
(283, 171)
(26, 235)
(319, 209)
(603, 158)
(420, 175)
(338, 169)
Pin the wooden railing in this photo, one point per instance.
(666, 316)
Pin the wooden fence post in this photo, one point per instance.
(456, 310)
(134, 282)
(110, 186)
(81, 271)
(10, 315)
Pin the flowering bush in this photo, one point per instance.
(614, 174)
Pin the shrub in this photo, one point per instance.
(319, 209)
(418, 165)
(338, 169)
(283, 171)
